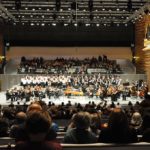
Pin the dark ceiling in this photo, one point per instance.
(71, 22)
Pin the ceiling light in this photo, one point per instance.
(53, 24)
(129, 5)
(43, 24)
(87, 24)
(18, 4)
(74, 5)
(32, 24)
(65, 24)
(90, 3)
(58, 5)
(75, 24)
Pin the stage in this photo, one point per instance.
(74, 99)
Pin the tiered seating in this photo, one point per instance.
(70, 65)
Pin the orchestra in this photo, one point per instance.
(98, 85)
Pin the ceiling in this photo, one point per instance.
(76, 12)
(71, 22)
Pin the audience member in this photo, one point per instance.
(118, 130)
(17, 129)
(146, 128)
(37, 126)
(3, 128)
(80, 132)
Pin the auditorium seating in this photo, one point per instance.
(6, 140)
(102, 146)
(96, 146)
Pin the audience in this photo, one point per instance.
(70, 65)
(112, 122)
(95, 124)
(118, 130)
(17, 129)
(146, 128)
(37, 126)
(136, 122)
(3, 128)
(80, 130)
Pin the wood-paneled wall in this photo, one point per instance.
(143, 57)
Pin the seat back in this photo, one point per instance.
(102, 146)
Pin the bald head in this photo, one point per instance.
(34, 108)
(21, 117)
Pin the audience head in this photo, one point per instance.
(95, 122)
(136, 119)
(81, 120)
(118, 121)
(146, 121)
(37, 126)
(34, 107)
(21, 117)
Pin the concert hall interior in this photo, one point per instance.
(76, 65)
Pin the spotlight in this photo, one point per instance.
(129, 5)
(58, 5)
(74, 5)
(91, 17)
(18, 4)
(74, 16)
(53, 24)
(54, 16)
(90, 5)
(112, 24)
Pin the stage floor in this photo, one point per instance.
(74, 99)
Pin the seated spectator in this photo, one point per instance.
(3, 128)
(95, 123)
(37, 126)
(146, 128)
(16, 130)
(136, 122)
(80, 132)
(34, 107)
(118, 130)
